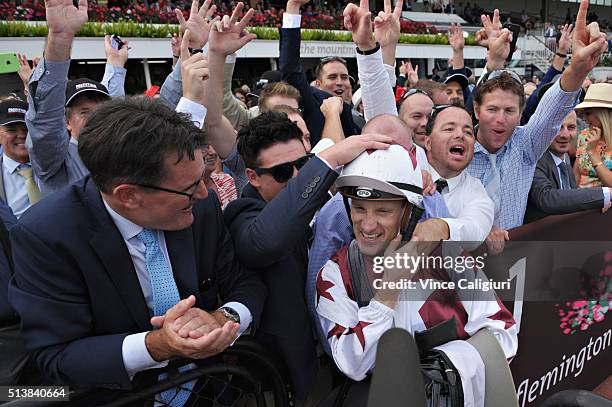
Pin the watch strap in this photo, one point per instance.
(370, 51)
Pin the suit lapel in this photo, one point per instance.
(2, 193)
(572, 178)
(112, 251)
(181, 252)
(553, 169)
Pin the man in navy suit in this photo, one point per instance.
(96, 260)
(553, 190)
(332, 77)
(270, 226)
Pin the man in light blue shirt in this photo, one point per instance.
(58, 110)
(18, 185)
(506, 154)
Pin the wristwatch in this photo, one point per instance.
(230, 314)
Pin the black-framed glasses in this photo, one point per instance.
(284, 172)
(193, 188)
(411, 92)
(499, 72)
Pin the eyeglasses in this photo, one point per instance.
(411, 92)
(193, 187)
(499, 72)
(284, 172)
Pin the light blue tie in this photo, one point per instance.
(165, 296)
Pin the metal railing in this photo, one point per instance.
(243, 376)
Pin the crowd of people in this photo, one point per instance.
(140, 229)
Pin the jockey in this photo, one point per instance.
(355, 309)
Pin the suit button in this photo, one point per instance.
(317, 179)
(312, 184)
(304, 195)
(308, 190)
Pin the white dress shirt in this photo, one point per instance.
(468, 202)
(136, 357)
(14, 186)
(605, 190)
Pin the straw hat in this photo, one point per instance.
(598, 95)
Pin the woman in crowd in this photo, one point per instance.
(593, 167)
(215, 179)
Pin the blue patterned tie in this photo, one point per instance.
(565, 182)
(165, 296)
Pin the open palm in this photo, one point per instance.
(64, 18)
(199, 22)
(228, 35)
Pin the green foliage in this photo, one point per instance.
(135, 30)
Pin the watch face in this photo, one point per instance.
(231, 314)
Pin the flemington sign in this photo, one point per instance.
(562, 304)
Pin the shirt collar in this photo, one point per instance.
(451, 182)
(556, 158)
(10, 164)
(479, 148)
(127, 228)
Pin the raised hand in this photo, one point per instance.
(24, 69)
(565, 42)
(199, 23)
(387, 24)
(175, 44)
(64, 18)
(455, 37)
(358, 20)
(115, 57)
(498, 41)
(228, 35)
(293, 6)
(588, 43)
(194, 71)
(332, 106)
(412, 74)
(482, 39)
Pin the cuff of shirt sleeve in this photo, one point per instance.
(245, 315)
(114, 69)
(136, 356)
(322, 145)
(606, 194)
(454, 229)
(326, 163)
(292, 20)
(230, 59)
(196, 111)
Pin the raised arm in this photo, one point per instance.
(199, 24)
(47, 133)
(233, 109)
(114, 71)
(587, 45)
(227, 37)
(377, 95)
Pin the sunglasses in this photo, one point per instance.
(284, 172)
(411, 92)
(499, 72)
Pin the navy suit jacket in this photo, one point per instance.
(77, 292)
(8, 221)
(273, 239)
(311, 97)
(546, 197)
